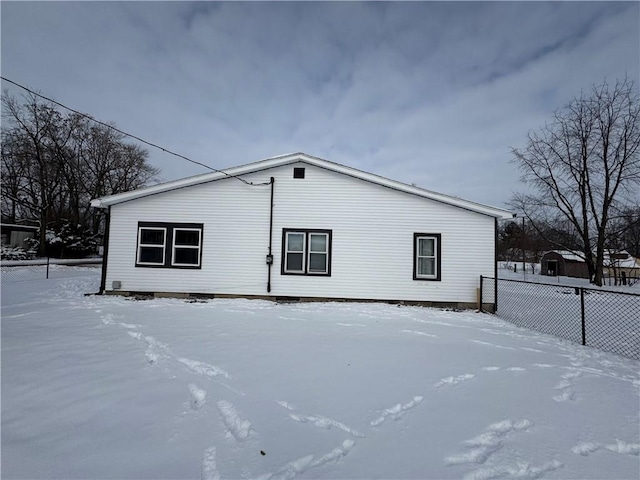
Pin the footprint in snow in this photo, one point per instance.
(210, 465)
(198, 396)
(481, 447)
(203, 368)
(453, 380)
(520, 470)
(285, 404)
(318, 420)
(129, 326)
(294, 468)
(236, 426)
(396, 411)
(325, 423)
(565, 387)
(587, 448)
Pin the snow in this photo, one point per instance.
(506, 273)
(110, 387)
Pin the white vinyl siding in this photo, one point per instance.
(371, 249)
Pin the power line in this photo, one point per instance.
(89, 117)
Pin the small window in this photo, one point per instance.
(298, 172)
(306, 252)
(426, 256)
(151, 246)
(169, 245)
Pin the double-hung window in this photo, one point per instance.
(169, 245)
(306, 252)
(186, 247)
(152, 243)
(426, 256)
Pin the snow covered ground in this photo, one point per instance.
(108, 387)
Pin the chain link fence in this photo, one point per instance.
(29, 271)
(603, 319)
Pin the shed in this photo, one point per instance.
(298, 227)
(563, 263)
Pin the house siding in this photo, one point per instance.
(372, 227)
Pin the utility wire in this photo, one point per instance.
(89, 117)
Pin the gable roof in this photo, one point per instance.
(281, 160)
(625, 260)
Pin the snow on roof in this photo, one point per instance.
(568, 255)
(609, 258)
(293, 158)
(17, 226)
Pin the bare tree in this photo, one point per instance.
(53, 164)
(583, 166)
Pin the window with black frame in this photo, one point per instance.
(169, 245)
(427, 256)
(306, 252)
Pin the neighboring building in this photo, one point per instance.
(563, 263)
(621, 266)
(618, 265)
(13, 235)
(306, 229)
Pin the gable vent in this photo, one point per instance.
(298, 172)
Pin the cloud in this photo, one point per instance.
(426, 93)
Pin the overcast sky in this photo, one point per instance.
(431, 93)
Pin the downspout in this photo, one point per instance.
(270, 254)
(105, 252)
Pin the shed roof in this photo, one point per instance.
(294, 158)
(567, 255)
(610, 258)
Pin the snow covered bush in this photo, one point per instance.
(67, 241)
(15, 253)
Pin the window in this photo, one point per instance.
(306, 252)
(298, 172)
(177, 245)
(151, 246)
(426, 256)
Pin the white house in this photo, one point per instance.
(298, 227)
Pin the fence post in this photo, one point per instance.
(480, 296)
(47, 266)
(584, 339)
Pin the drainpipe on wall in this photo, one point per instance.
(270, 254)
(105, 252)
